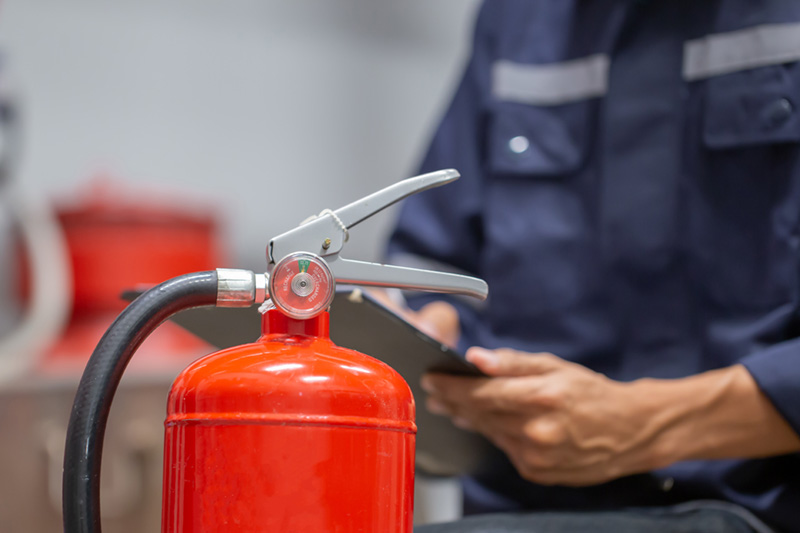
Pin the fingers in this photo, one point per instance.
(482, 394)
(437, 319)
(579, 476)
(508, 362)
(558, 422)
(539, 460)
(546, 464)
(503, 393)
(539, 432)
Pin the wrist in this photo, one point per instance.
(665, 412)
(714, 415)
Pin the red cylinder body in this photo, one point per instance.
(289, 434)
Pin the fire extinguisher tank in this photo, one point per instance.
(289, 434)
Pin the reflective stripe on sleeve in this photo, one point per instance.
(552, 83)
(723, 53)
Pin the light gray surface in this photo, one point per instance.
(437, 499)
(261, 104)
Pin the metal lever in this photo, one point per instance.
(324, 235)
(364, 208)
(379, 275)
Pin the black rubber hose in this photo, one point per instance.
(87, 423)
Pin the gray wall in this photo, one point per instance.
(273, 109)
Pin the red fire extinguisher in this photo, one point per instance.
(289, 434)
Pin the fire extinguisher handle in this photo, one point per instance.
(360, 210)
(324, 236)
(380, 275)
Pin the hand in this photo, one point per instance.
(561, 423)
(440, 321)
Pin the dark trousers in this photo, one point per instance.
(666, 520)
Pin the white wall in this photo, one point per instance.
(274, 108)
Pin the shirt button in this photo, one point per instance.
(778, 112)
(667, 484)
(519, 144)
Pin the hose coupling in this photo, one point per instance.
(240, 288)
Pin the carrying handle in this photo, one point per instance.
(325, 234)
(390, 276)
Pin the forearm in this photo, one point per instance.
(714, 415)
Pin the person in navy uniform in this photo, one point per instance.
(631, 192)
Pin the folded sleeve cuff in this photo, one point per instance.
(776, 370)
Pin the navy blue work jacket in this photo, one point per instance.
(631, 192)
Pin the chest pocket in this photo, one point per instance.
(536, 223)
(526, 140)
(745, 188)
(752, 107)
(539, 123)
(751, 84)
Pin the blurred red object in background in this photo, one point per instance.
(119, 238)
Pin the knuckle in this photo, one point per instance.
(531, 466)
(506, 352)
(483, 395)
(546, 433)
(498, 395)
(554, 396)
(549, 359)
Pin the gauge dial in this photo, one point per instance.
(301, 285)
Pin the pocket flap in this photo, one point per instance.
(753, 107)
(532, 140)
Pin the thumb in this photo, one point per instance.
(508, 362)
(439, 320)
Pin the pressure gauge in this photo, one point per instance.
(301, 285)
